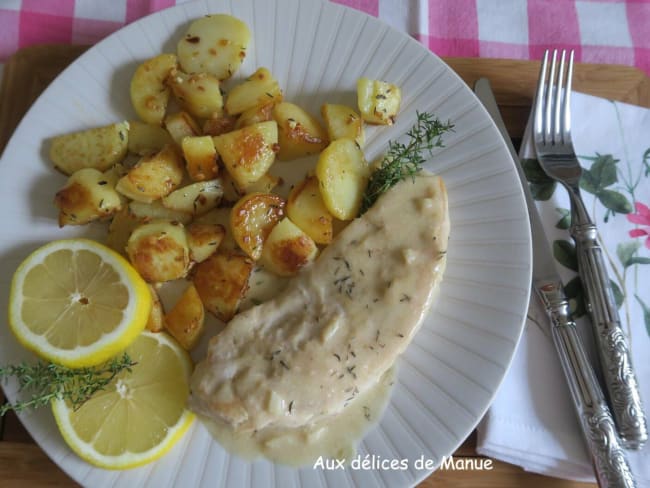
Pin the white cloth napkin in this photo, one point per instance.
(532, 422)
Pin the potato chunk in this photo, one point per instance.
(265, 184)
(249, 152)
(343, 122)
(87, 196)
(214, 44)
(259, 89)
(153, 176)
(181, 125)
(288, 249)
(147, 139)
(342, 174)
(156, 321)
(222, 123)
(149, 93)
(198, 93)
(222, 281)
(378, 101)
(252, 219)
(195, 199)
(306, 209)
(221, 217)
(159, 251)
(203, 240)
(200, 157)
(148, 212)
(98, 148)
(299, 134)
(186, 320)
(120, 229)
(254, 115)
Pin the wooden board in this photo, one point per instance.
(28, 73)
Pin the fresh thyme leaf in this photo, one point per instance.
(404, 160)
(48, 381)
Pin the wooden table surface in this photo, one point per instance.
(22, 463)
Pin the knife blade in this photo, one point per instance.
(607, 454)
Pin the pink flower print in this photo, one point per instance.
(641, 217)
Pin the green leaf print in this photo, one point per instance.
(615, 201)
(542, 192)
(565, 220)
(619, 297)
(575, 295)
(541, 186)
(565, 253)
(626, 251)
(646, 313)
(639, 260)
(646, 162)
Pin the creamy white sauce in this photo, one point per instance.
(333, 437)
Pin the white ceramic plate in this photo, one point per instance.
(449, 375)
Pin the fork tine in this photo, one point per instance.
(558, 106)
(548, 118)
(566, 109)
(538, 124)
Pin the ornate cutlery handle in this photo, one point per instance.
(614, 353)
(607, 454)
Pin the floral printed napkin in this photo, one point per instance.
(532, 421)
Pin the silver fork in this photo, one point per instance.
(552, 136)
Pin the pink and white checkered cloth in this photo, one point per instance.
(600, 31)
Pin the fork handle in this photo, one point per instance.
(614, 353)
(607, 454)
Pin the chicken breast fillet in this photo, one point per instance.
(339, 325)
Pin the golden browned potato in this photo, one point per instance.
(215, 126)
(149, 94)
(252, 219)
(214, 44)
(265, 184)
(147, 212)
(288, 249)
(249, 152)
(153, 176)
(159, 251)
(342, 174)
(181, 125)
(196, 198)
(203, 240)
(261, 113)
(200, 158)
(156, 321)
(147, 139)
(198, 93)
(220, 216)
(186, 320)
(87, 196)
(98, 148)
(342, 121)
(378, 101)
(299, 134)
(120, 228)
(231, 190)
(257, 90)
(306, 209)
(222, 281)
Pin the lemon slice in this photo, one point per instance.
(77, 303)
(140, 415)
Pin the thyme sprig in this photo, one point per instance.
(48, 381)
(404, 160)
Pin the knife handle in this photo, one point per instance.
(607, 453)
(615, 358)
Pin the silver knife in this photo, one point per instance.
(607, 454)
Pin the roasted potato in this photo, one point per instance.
(299, 134)
(147, 139)
(261, 113)
(87, 196)
(220, 216)
(156, 321)
(200, 158)
(378, 101)
(264, 185)
(198, 93)
(249, 152)
(231, 190)
(159, 251)
(342, 174)
(214, 44)
(186, 320)
(153, 176)
(259, 89)
(148, 212)
(181, 125)
(149, 93)
(342, 121)
(252, 219)
(306, 209)
(98, 148)
(120, 229)
(222, 123)
(222, 281)
(196, 198)
(203, 240)
(288, 249)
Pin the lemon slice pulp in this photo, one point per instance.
(140, 415)
(77, 303)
